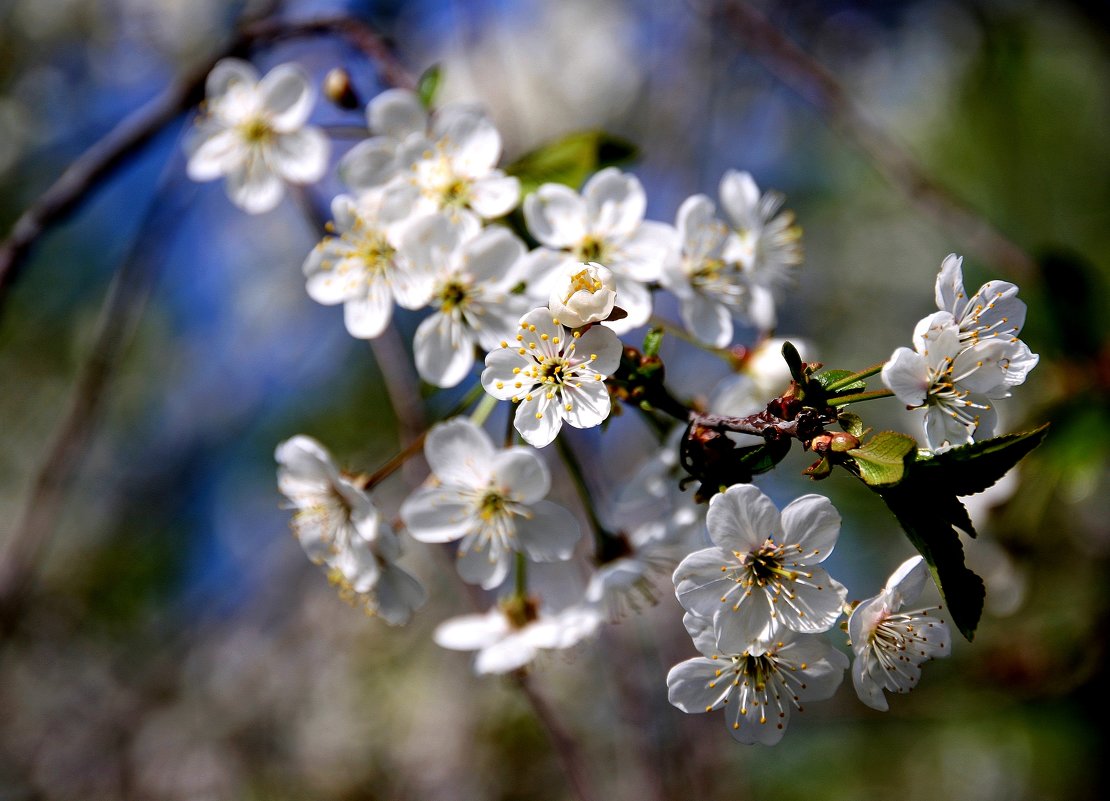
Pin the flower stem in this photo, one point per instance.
(860, 397)
(673, 328)
(484, 408)
(417, 443)
(848, 380)
(579, 479)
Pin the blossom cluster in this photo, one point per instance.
(424, 225)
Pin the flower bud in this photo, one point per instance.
(338, 89)
(583, 293)
(842, 442)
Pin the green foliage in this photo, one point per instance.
(882, 460)
(926, 503)
(828, 378)
(570, 160)
(852, 423)
(427, 85)
(652, 340)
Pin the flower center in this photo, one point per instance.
(591, 248)
(376, 253)
(452, 295)
(553, 370)
(765, 565)
(582, 281)
(256, 131)
(493, 504)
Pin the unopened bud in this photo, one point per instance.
(338, 89)
(583, 293)
(842, 442)
(819, 469)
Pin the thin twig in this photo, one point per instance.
(574, 765)
(817, 85)
(130, 136)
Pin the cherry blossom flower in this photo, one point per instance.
(757, 686)
(713, 286)
(582, 294)
(760, 575)
(891, 645)
(361, 267)
(340, 529)
(491, 500)
(470, 275)
(253, 131)
(446, 160)
(554, 374)
(954, 382)
(605, 224)
(767, 243)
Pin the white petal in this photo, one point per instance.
(509, 654)
(742, 518)
(634, 298)
(330, 277)
(254, 187)
(304, 466)
(907, 375)
(300, 157)
(866, 688)
(215, 154)
(556, 216)
(287, 96)
(471, 632)
(643, 254)
(700, 583)
(399, 593)
(615, 203)
(491, 255)
(602, 343)
(589, 405)
(494, 195)
(521, 474)
(397, 113)
(367, 317)
(369, 164)
(436, 514)
(229, 71)
(550, 534)
(538, 421)
(812, 523)
(460, 453)
(444, 350)
(950, 295)
(498, 378)
(472, 141)
(942, 431)
(688, 685)
(709, 321)
(816, 605)
(485, 567)
(740, 198)
(907, 582)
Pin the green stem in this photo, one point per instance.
(484, 408)
(860, 397)
(579, 479)
(848, 380)
(681, 333)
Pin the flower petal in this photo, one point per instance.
(369, 164)
(615, 203)
(550, 534)
(709, 321)
(486, 567)
(253, 186)
(688, 685)
(215, 153)
(460, 453)
(227, 72)
(907, 375)
(368, 316)
(436, 514)
(521, 474)
(812, 523)
(444, 350)
(556, 216)
(397, 113)
(495, 195)
(300, 157)
(288, 97)
(742, 518)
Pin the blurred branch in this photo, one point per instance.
(130, 136)
(119, 316)
(816, 84)
(569, 755)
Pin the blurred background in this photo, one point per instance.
(169, 640)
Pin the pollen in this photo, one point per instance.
(539, 415)
(500, 384)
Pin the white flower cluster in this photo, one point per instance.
(966, 356)
(423, 225)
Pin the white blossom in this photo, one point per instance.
(582, 294)
(891, 645)
(446, 161)
(767, 242)
(554, 374)
(360, 265)
(340, 529)
(955, 383)
(253, 132)
(605, 224)
(760, 576)
(491, 500)
(757, 686)
(712, 284)
(470, 274)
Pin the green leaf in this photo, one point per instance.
(882, 459)
(570, 160)
(794, 362)
(826, 377)
(851, 422)
(761, 458)
(652, 340)
(925, 519)
(972, 468)
(427, 85)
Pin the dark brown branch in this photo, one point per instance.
(130, 136)
(817, 85)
